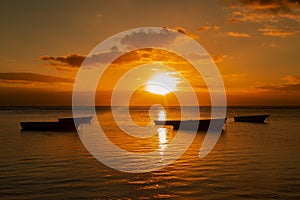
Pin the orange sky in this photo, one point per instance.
(253, 43)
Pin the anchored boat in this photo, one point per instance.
(203, 124)
(251, 118)
(63, 124)
(80, 120)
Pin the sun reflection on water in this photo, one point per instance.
(162, 135)
(162, 115)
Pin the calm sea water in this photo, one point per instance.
(250, 161)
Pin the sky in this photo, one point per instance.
(254, 44)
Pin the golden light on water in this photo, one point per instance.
(162, 134)
(163, 140)
(162, 115)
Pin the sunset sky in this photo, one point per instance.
(255, 45)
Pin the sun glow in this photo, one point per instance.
(161, 84)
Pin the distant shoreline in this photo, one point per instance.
(108, 107)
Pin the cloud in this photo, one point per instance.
(218, 58)
(216, 27)
(234, 77)
(292, 79)
(271, 44)
(278, 32)
(208, 27)
(72, 60)
(236, 34)
(292, 84)
(282, 88)
(143, 56)
(25, 78)
(252, 16)
(184, 31)
(272, 5)
(102, 58)
(137, 39)
(138, 57)
(204, 28)
(258, 11)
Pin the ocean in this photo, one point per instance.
(249, 161)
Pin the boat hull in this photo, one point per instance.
(63, 124)
(47, 126)
(80, 120)
(200, 125)
(251, 119)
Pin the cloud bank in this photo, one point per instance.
(259, 11)
(73, 60)
(292, 84)
(32, 77)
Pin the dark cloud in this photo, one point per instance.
(204, 28)
(184, 31)
(135, 40)
(148, 38)
(31, 77)
(102, 58)
(73, 60)
(23, 96)
(272, 5)
(264, 10)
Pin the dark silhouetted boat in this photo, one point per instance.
(203, 124)
(251, 118)
(80, 120)
(63, 124)
(48, 126)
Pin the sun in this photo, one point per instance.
(161, 84)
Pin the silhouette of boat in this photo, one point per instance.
(63, 124)
(251, 118)
(203, 124)
(80, 120)
(48, 126)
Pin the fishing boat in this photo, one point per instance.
(63, 124)
(203, 124)
(251, 118)
(80, 120)
(48, 126)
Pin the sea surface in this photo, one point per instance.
(249, 161)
